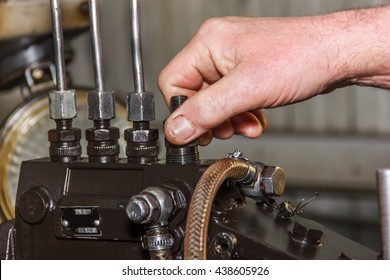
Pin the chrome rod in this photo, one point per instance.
(136, 46)
(58, 45)
(96, 40)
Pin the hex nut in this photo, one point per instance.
(101, 105)
(102, 134)
(62, 104)
(66, 135)
(140, 106)
(141, 135)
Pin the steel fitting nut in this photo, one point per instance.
(102, 134)
(141, 135)
(62, 104)
(273, 181)
(140, 106)
(66, 135)
(101, 105)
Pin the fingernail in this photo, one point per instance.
(181, 128)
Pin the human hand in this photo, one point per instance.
(235, 66)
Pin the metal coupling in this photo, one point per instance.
(101, 105)
(270, 181)
(140, 106)
(62, 104)
(261, 180)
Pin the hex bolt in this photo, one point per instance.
(262, 181)
(142, 209)
(152, 205)
(273, 181)
(307, 232)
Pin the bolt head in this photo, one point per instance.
(273, 180)
(137, 209)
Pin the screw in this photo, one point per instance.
(65, 223)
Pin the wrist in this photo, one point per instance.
(362, 46)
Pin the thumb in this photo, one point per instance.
(207, 109)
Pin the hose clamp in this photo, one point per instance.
(252, 175)
(157, 242)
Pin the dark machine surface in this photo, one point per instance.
(77, 211)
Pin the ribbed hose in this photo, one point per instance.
(202, 201)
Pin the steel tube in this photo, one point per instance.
(383, 184)
(96, 40)
(58, 45)
(136, 46)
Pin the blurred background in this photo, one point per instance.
(331, 144)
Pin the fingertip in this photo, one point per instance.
(224, 131)
(260, 115)
(179, 130)
(205, 139)
(248, 125)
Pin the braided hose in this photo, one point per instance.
(202, 201)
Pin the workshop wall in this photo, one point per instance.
(354, 114)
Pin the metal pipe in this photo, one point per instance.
(58, 45)
(96, 40)
(136, 47)
(383, 185)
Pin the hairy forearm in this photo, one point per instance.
(362, 46)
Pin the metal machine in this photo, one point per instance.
(142, 207)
